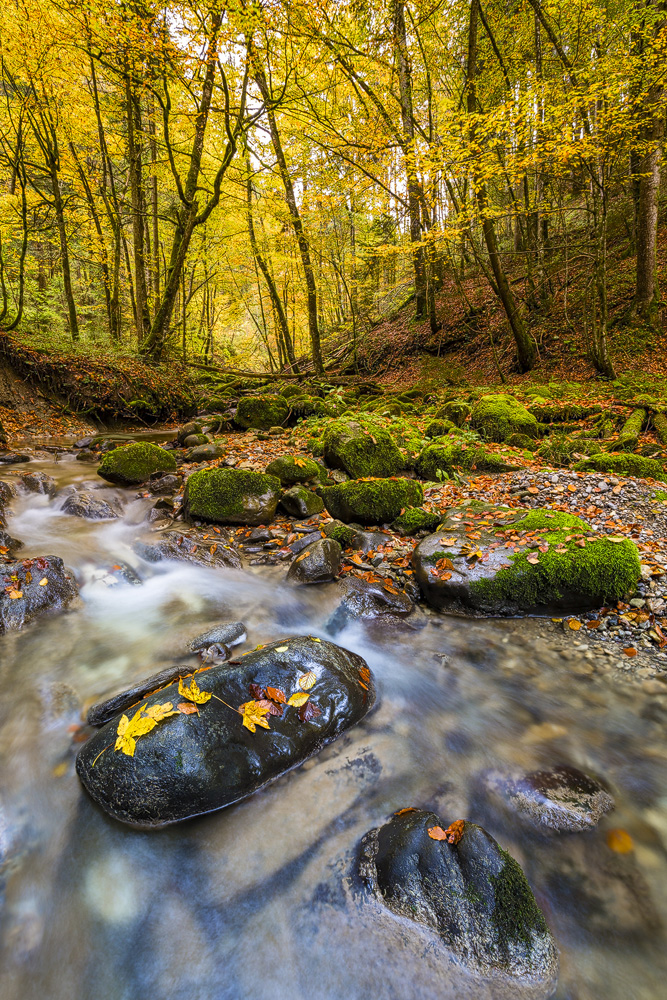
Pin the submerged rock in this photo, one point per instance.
(194, 763)
(32, 587)
(185, 548)
(552, 560)
(364, 601)
(562, 798)
(317, 563)
(231, 496)
(80, 503)
(471, 892)
(38, 482)
(135, 463)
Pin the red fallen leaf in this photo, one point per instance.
(309, 711)
(630, 651)
(277, 695)
(187, 708)
(256, 691)
(408, 809)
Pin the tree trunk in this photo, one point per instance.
(64, 249)
(133, 113)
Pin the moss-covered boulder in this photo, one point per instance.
(231, 496)
(630, 431)
(561, 449)
(440, 459)
(361, 447)
(498, 416)
(306, 406)
(554, 560)
(555, 413)
(261, 412)
(135, 463)
(438, 428)
(300, 502)
(622, 464)
(414, 519)
(290, 470)
(377, 501)
(456, 410)
(522, 441)
(342, 533)
(461, 885)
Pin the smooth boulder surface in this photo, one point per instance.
(185, 548)
(319, 562)
(80, 503)
(561, 798)
(204, 453)
(231, 496)
(195, 763)
(360, 448)
(135, 463)
(225, 634)
(32, 587)
(376, 501)
(470, 892)
(504, 561)
(300, 502)
(365, 601)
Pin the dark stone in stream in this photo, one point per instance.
(25, 579)
(302, 543)
(204, 452)
(12, 458)
(101, 713)
(562, 798)
(8, 543)
(38, 482)
(318, 563)
(300, 502)
(226, 634)
(86, 455)
(364, 601)
(84, 442)
(185, 548)
(79, 503)
(164, 485)
(188, 765)
(472, 893)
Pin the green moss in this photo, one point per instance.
(445, 455)
(300, 502)
(550, 520)
(555, 413)
(498, 416)
(135, 463)
(288, 471)
(361, 447)
(522, 441)
(231, 496)
(306, 406)
(558, 449)
(630, 431)
(622, 465)
(372, 502)
(660, 424)
(261, 412)
(341, 533)
(415, 519)
(438, 428)
(516, 916)
(457, 411)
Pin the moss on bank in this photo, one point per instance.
(622, 465)
(135, 463)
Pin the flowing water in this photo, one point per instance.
(260, 900)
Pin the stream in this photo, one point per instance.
(260, 900)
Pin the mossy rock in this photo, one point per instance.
(438, 428)
(630, 431)
(414, 519)
(290, 470)
(498, 416)
(499, 581)
(300, 502)
(341, 533)
(361, 447)
(555, 413)
(558, 449)
(456, 410)
(377, 501)
(440, 459)
(231, 496)
(522, 441)
(288, 391)
(306, 406)
(622, 464)
(135, 463)
(261, 412)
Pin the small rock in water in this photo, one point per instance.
(79, 503)
(234, 728)
(460, 883)
(226, 634)
(365, 601)
(38, 482)
(8, 544)
(300, 502)
(12, 458)
(164, 485)
(33, 586)
(174, 545)
(318, 563)
(562, 798)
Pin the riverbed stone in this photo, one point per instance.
(8, 544)
(376, 501)
(24, 595)
(231, 496)
(38, 482)
(80, 503)
(225, 634)
(561, 798)
(471, 892)
(317, 563)
(186, 548)
(290, 470)
(135, 463)
(300, 502)
(204, 453)
(365, 601)
(13, 458)
(504, 561)
(195, 763)
(361, 447)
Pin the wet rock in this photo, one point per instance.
(8, 544)
(195, 440)
(552, 560)
(7, 494)
(318, 563)
(231, 496)
(12, 458)
(561, 798)
(226, 634)
(83, 504)
(86, 455)
(185, 548)
(472, 893)
(188, 765)
(184, 432)
(38, 482)
(361, 447)
(84, 442)
(204, 453)
(164, 485)
(302, 543)
(102, 712)
(364, 601)
(135, 463)
(300, 502)
(24, 596)
(117, 575)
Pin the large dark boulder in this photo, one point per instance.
(364, 601)
(317, 563)
(31, 587)
(506, 561)
(195, 763)
(185, 548)
(470, 891)
(375, 501)
(231, 496)
(135, 463)
(80, 503)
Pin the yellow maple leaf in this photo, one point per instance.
(253, 714)
(193, 693)
(129, 730)
(159, 712)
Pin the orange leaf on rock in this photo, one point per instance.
(187, 708)
(407, 809)
(276, 694)
(630, 651)
(620, 841)
(437, 833)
